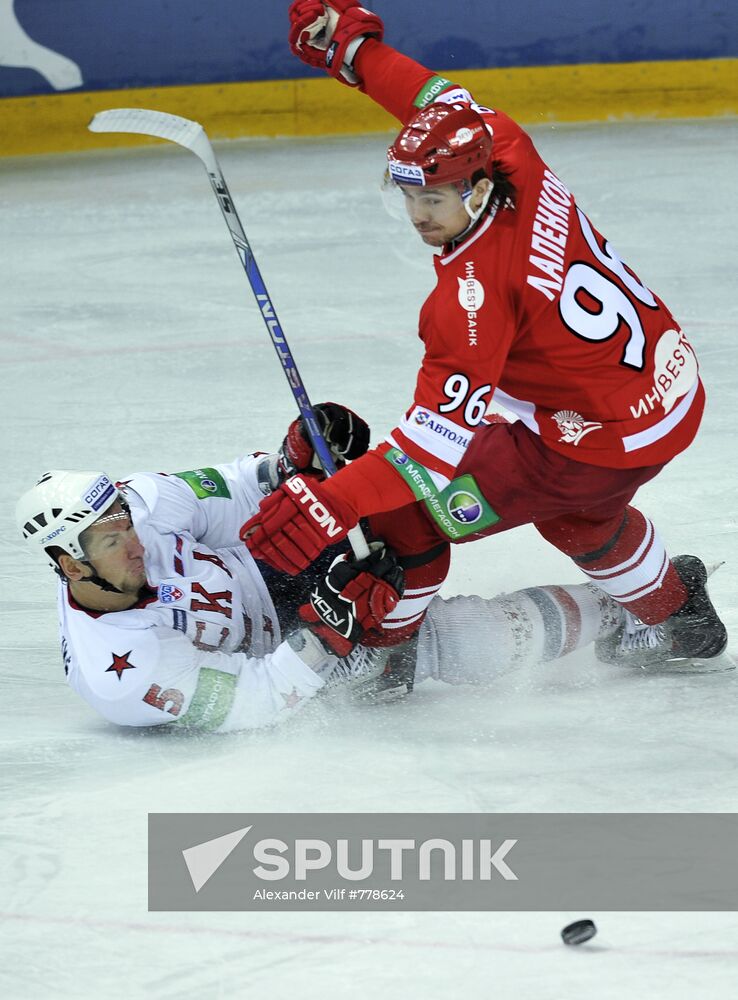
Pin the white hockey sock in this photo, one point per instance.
(473, 640)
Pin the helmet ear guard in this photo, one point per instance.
(475, 213)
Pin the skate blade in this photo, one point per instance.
(693, 665)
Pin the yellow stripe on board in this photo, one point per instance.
(696, 88)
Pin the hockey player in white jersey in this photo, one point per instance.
(166, 618)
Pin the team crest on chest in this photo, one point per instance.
(573, 427)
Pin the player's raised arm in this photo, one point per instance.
(345, 39)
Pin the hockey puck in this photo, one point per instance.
(578, 932)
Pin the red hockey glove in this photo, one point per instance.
(293, 526)
(321, 33)
(346, 435)
(356, 595)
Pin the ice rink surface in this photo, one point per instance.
(130, 341)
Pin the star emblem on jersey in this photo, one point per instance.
(291, 699)
(120, 663)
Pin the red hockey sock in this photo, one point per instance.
(634, 569)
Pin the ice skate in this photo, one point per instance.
(362, 665)
(396, 678)
(693, 639)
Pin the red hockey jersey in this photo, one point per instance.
(534, 311)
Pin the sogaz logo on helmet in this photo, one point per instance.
(406, 173)
(99, 493)
(464, 507)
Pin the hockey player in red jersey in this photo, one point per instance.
(535, 311)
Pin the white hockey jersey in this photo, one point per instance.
(203, 648)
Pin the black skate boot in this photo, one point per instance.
(691, 637)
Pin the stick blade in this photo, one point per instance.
(159, 124)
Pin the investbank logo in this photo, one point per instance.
(471, 300)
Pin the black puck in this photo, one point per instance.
(578, 932)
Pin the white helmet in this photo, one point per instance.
(60, 507)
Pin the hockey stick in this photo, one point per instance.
(192, 136)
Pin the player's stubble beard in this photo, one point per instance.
(134, 582)
(432, 237)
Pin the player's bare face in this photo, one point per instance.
(111, 544)
(437, 213)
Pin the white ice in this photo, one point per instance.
(130, 341)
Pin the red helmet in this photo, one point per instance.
(444, 143)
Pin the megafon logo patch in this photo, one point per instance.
(464, 507)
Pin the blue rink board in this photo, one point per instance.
(148, 43)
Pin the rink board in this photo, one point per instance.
(51, 123)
